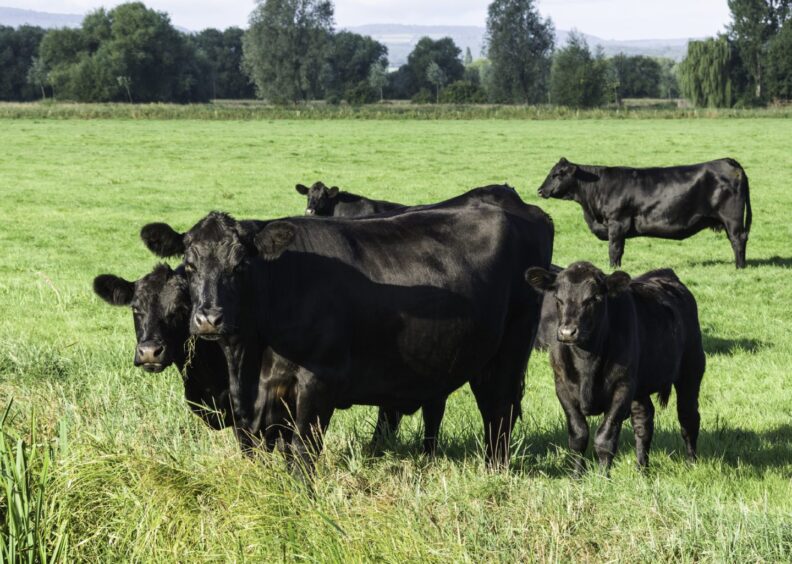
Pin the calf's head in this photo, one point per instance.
(560, 182)
(160, 306)
(321, 199)
(581, 295)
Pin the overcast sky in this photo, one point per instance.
(609, 19)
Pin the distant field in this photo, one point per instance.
(139, 478)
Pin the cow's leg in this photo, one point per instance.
(616, 235)
(433, 412)
(738, 239)
(607, 438)
(388, 420)
(642, 417)
(687, 389)
(577, 428)
(313, 412)
(498, 393)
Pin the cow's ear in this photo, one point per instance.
(162, 240)
(563, 161)
(540, 279)
(273, 239)
(617, 283)
(302, 189)
(114, 290)
(332, 192)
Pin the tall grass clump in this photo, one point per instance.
(31, 527)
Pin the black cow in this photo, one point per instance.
(161, 307)
(669, 203)
(618, 342)
(388, 311)
(332, 202)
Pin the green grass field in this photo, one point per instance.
(137, 477)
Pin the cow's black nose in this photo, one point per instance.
(208, 320)
(567, 333)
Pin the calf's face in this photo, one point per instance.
(581, 295)
(321, 199)
(560, 182)
(160, 306)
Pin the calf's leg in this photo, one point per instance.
(577, 428)
(642, 417)
(738, 239)
(687, 389)
(433, 412)
(615, 244)
(606, 439)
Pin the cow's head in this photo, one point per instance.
(560, 182)
(160, 305)
(321, 199)
(581, 295)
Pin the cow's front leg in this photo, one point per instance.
(314, 408)
(616, 236)
(577, 427)
(607, 438)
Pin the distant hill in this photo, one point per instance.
(15, 17)
(401, 39)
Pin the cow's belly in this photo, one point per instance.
(671, 225)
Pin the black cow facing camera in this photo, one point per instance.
(618, 341)
(669, 203)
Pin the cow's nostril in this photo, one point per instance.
(214, 319)
(157, 352)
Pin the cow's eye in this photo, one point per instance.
(136, 311)
(592, 300)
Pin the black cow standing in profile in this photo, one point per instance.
(618, 342)
(668, 203)
(387, 311)
(332, 202)
(160, 303)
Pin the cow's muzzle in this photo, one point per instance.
(208, 324)
(151, 356)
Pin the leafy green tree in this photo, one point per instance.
(437, 78)
(38, 76)
(222, 53)
(127, 53)
(443, 52)
(779, 64)
(519, 44)
(705, 76)
(463, 92)
(638, 77)
(348, 61)
(285, 46)
(669, 84)
(378, 78)
(578, 78)
(468, 57)
(18, 48)
(754, 23)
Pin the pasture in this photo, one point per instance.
(138, 477)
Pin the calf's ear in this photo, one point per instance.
(332, 192)
(162, 240)
(114, 290)
(540, 279)
(302, 189)
(617, 282)
(273, 239)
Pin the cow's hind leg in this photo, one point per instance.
(687, 389)
(388, 420)
(499, 392)
(738, 238)
(642, 418)
(433, 412)
(616, 236)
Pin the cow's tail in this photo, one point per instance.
(663, 395)
(748, 210)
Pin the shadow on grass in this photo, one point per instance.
(545, 453)
(729, 347)
(776, 261)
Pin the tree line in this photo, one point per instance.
(292, 53)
